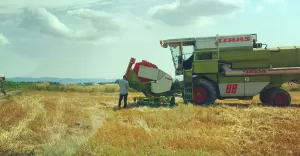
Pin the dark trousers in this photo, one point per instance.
(125, 99)
(2, 89)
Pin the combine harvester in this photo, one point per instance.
(220, 67)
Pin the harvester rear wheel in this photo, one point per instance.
(280, 97)
(264, 96)
(204, 92)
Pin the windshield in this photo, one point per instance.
(187, 51)
(175, 51)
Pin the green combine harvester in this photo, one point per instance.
(219, 67)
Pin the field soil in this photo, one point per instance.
(72, 123)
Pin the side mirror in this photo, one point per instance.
(165, 45)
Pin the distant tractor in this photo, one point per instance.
(221, 67)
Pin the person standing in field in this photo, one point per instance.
(124, 85)
(2, 79)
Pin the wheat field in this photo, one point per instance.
(87, 123)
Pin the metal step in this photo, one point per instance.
(188, 94)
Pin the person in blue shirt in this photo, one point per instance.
(124, 86)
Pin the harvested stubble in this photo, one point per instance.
(192, 130)
(64, 123)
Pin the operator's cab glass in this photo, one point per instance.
(182, 56)
(175, 51)
(256, 45)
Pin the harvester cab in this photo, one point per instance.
(178, 55)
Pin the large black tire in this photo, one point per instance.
(264, 96)
(280, 98)
(204, 92)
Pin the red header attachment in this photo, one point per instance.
(131, 62)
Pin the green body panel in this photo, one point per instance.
(289, 78)
(278, 80)
(251, 64)
(208, 66)
(286, 57)
(244, 55)
(187, 76)
(213, 77)
(246, 59)
(275, 81)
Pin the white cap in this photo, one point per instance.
(2, 75)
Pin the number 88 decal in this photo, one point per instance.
(231, 88)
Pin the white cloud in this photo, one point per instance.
(40, 20)
(16, 6)
(185, 12)
(3, 40)
(10, 6)
(100, 20)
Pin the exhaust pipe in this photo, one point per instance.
(228, 71)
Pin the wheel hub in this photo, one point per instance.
(199, 94)
(280, 99)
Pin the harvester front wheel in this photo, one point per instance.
(204, 92)
(280, 97)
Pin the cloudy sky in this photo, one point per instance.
(96, 38)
